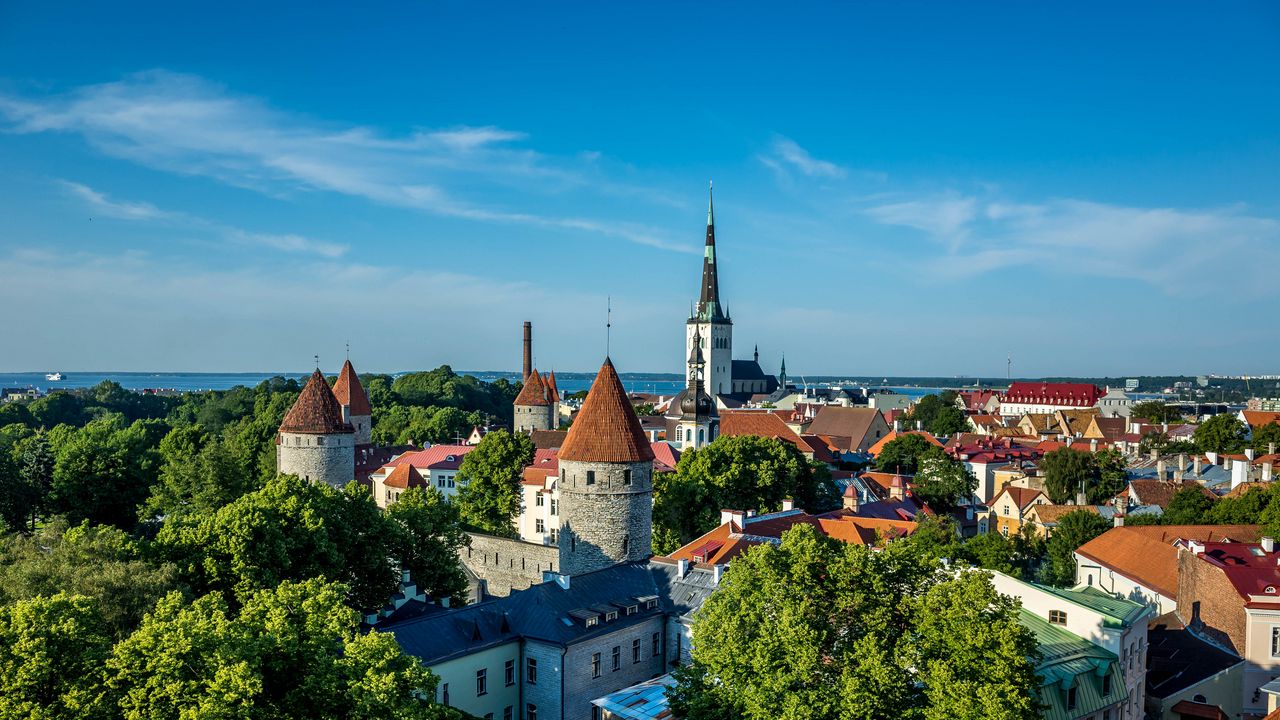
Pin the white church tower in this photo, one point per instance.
(710, 323)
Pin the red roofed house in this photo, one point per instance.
(985, 455)
(1010, 505)
(979, 402)
(388, 488)
(438, 465)
(1043, 397)
(539, 518)
(1257, 418)
(1229, 593)
(851, 429)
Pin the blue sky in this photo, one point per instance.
(901, 188)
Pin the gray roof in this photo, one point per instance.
(542, 612)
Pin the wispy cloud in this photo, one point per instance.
(184, 124)
(101, 204)
(786, 154)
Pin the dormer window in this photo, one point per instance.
(611, 616)
(1057, 617)
(593, 621)
(1106, 685)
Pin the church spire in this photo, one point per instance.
(709, 297)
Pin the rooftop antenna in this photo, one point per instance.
(608, 324)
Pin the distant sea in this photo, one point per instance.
(657, 383)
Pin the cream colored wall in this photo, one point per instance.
(1089, 572)
(1260, 667)
(461, 676)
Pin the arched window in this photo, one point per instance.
(701, 438)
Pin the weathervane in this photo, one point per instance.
(317, 359)
(608, 324)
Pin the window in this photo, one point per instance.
(617, 657)
(611, 616)
(1275, 641)
(626, 477)
(444, 693)
(555, 536)
(319, 439)
(1006, 511)
(635, 650)
(440, 481)
(553, 506)
(530, 711)
(1200, 699)
(508, 713)
(1106, 685)
(1071, 699)
(651, 604)
(539, 526)
(657, 644)
(625, 542)
(509, 673)
(1057, 617)
(531, 671)
(595, 713)
(1106, 715)
(595, 665)
(591, 477)
(592, 622)
(482, 682)
(538, 501)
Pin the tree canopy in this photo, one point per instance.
(489, 489)
(429, 536)
(815, 628)
(904, 453)
(938, 414)
(1074, 529)
(742, 472)
(1067, 471)
(1221, 434)
(1155, 411)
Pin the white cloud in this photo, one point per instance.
(100, 203)
(186, 125)
(786, 152)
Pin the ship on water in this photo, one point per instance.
(53, 376)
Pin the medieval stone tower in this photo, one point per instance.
(315, 442)
(355, 403)
(537, 407)
(606, 482)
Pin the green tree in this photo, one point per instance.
(199, 483)
(17, 498)
(58, 408)
(430, 536)
(815, 628)
(489, 491)
(1244, 509)
(103, 471)
(16, 413)
(1156, 411)
(936, 415)
(94, 561)
(943, 483)
(36, 464)
(1266, 437)
(288, 530)
(293, 651)
(1189, 506)
(1074, 529)
(743, 472)
(1221, 434)
(904, 454)
(1110, 467)
(52, 653)
(1067, 471)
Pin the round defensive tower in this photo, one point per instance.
(315, 442)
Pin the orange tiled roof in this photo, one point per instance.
(1146, 554)
(1258, 418)
(405, 476)
(1161, 492)
(1021, 496)
(847, 425)
(316, 411)
(1054, 513)
(350, 392)
(606, 429)
(758, 424)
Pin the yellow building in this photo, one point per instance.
(1009, 508)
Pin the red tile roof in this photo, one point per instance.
(606, 429)
(534, 391)
(1021, 496)
(847, 426)
(1147, 555)
(1043, 393)
(1258, 418)
(1251, 573)
(665, 457)
(436, 457)
(553, 391)
(316, 411)
(350, 392)
(405, 476)
(548, 439)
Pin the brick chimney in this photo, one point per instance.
(528, 350)
(1160, 470)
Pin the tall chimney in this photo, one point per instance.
(1160, 469)
(1197, 465)
(528, 350)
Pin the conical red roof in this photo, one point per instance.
(606, 429)
(553, 392)
(534, 391)
(316, 411)
(350, 392)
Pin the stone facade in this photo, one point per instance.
(362, 424)
(547, 693)
(606, 514)
(581, 687)
(328, 459)
(1208, 603)
(507, 564)
(535, 417)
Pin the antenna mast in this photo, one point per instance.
(608, 324)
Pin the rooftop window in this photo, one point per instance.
(1057, 617)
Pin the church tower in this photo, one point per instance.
(355, 403)
(699, 420)
(710, 322)
(606, 482)
(316, 443)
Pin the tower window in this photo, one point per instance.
(625, 543)
(626, 477)
(319, 439)
(591, 477)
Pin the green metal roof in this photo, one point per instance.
(1116, 612)
(1069, 661)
